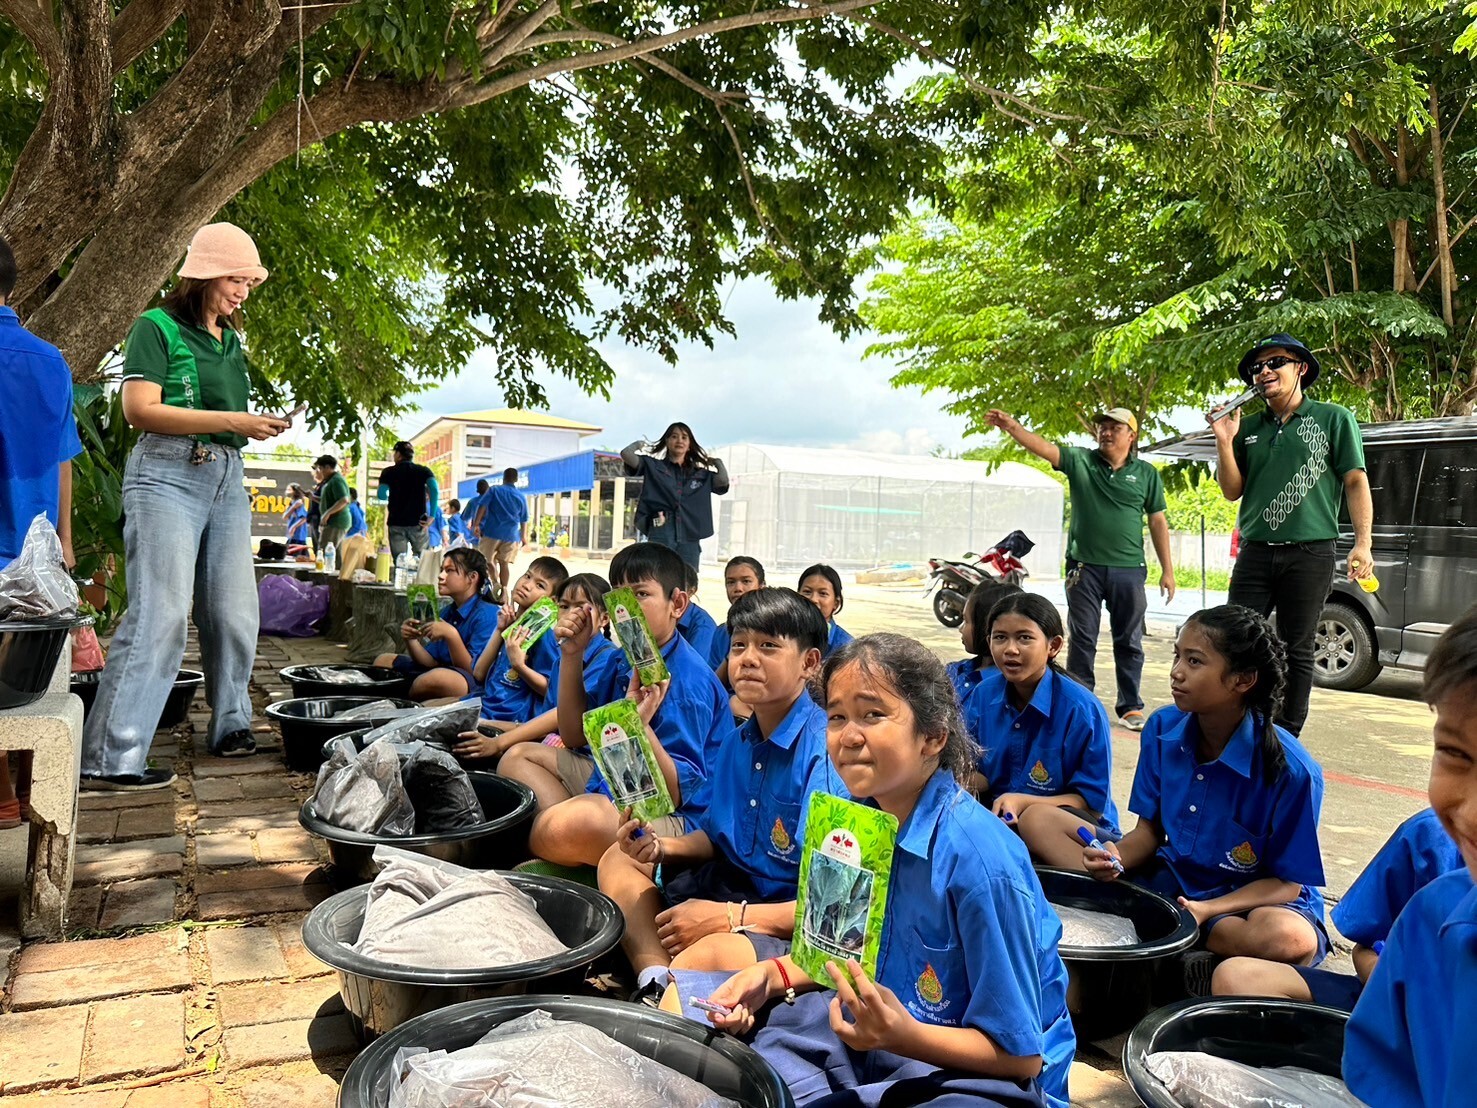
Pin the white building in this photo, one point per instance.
(790, 506)
(474, 444)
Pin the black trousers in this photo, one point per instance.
(1292, 580)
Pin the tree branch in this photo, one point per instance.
(138, 26)
(32, 18)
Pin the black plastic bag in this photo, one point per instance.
(440, 790)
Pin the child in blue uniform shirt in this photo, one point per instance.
(742, 854)
(821, 585)
(357, 523)
(1417, 853)
(1045, 740)
(1413, 1035)
(696, 625)
(1227, 801)
(969, 1002)
(974, 636)
(456, 526)
(577, 823)
(741, 575)
(441, 653)
(515, 678)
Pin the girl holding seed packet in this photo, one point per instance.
(967, 1001)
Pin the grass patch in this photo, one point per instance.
(1188, 577)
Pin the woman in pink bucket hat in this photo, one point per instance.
(187, 521)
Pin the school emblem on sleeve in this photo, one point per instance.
(779, 838)
(1040, 775)
(930, 988)
(1243, 857)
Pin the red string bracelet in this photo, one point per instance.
(785, 977)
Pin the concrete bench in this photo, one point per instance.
(52, 729)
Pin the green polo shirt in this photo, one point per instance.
(1293, 472)
(1108, 507)
(334, 490)
(221, 364)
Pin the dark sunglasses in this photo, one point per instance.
(1275, 362)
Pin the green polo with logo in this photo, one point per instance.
(220, 368)
(1293, 472)
(1108, 507)
(334, 490)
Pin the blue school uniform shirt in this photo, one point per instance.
(1413, 1034)
(965, 675)
(297, 524)
(1224, 825)
(37, 431)
(718, 651)
(698, 628)
(604, 679)
(456, 527)
(475, 621)
(691, 723)
(750, 803)
(839, 636)
(505, 695)
(1058, 743)
(969, 938)
(1417, 853)
(507, 511)
(357, 525)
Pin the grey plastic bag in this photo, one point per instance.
(431, 725)
(37, 584)
(1081, 927)
(1198, 1080)
(439, 789)
(362, 791)
(377, 709)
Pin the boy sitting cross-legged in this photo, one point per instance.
(576, 821)
(737, 866)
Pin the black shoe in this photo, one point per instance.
(238, 744)
(1199, 969)
(650, 994)
(147, 781)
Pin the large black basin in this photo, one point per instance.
(380, 996)
(720, 1062)
(29, 651)
(500, 842)
(307, 723)
(176, 708)
(1257, 1031)
(374, 681)
(1113, 986)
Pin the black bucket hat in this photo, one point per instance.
(1288, 343)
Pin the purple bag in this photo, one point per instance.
(291, 607)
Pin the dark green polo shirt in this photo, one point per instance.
(1108, 507)
(221, 364)
(1293, 472)
(334, 490)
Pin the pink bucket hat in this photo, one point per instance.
(222, 250)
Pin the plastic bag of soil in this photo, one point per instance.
(362, 790)
(1198, 1080)
(330, 676)
(435, 915)
(1082, 927)
(377, 709)
(536, 1061)
(439, 789)
(37, 584)
(437, 726)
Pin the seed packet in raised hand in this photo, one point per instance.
(617, 738)
(634, 634)
(539, 617)
(422, 601)
(845, 868)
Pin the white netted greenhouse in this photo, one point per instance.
(789, 506)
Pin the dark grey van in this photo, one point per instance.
(1423, 477)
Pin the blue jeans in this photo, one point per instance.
(187, 535)
(1122, 589)
(690, 551)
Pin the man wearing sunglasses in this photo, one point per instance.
(1289, 466)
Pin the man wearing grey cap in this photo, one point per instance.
(1112, 490)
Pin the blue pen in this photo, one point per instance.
(1092, 842)
(1379, 946)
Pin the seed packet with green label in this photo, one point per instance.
(634, 634)
(845, 867)
(537, 618)
(422, 601)
(618, 739)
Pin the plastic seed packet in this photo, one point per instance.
(634, 634)
(617, 738)
(845, 867)
(539, 618)
(422, 601)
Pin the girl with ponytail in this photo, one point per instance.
(1228, 802)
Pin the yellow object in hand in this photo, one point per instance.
(1369, 584)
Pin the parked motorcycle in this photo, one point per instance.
(953, 579)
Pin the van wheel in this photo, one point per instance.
(1344, 654)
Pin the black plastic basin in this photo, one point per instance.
(306, 724)
(380, 996)
(28, 655)
(378, 682)
(1113, 986)
(720, 1062)
(1257, 1031)
(499, 843)
(176, 708)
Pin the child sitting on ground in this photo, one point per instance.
(974, 636)
(741, 853)
(821, 585)
(577, 822)
(696, 625)
(741, 575)
(1044, 738)
(1227, 802)
(515, 677)
(1410, 1041)
(441, 654)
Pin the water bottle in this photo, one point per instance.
(330, 558)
